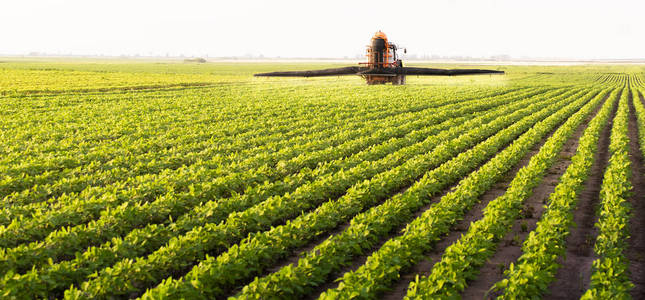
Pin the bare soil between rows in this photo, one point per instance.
(510, 248)
(424, 267)
(396, 293)
(573, 277)
(636, 250)
(357, 262)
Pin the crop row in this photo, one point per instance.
(218, 275)
(175, 182)
(95, 136)
(131, 165)
(141, 158)
(210, 152)
(640, 116)
(384, 265)
(125, 218)
(182, 252)
(134, 244)
(247, 164)
(241, 121)
(610, 278)
(616, 79)
(364, 231)
(637, 81)
(100, 167)
(179, 201)
(216, 211)
(530, 276)
(285, 244)
(612, 79)
(210, 212)
(461, 260)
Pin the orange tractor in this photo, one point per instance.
(382, 66)
(381, 55)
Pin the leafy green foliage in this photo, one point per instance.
(384, 265)
(168, 180)
(253, 253)
(463, 258)
(536, 268)
(610, 278)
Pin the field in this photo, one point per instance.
(166, 180)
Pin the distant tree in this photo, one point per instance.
(195, 60)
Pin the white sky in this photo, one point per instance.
(547, 28)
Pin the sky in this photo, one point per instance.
(574, 29)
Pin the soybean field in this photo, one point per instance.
(164, 180)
